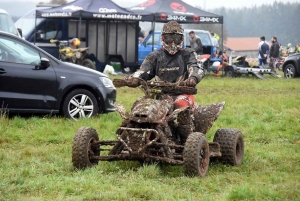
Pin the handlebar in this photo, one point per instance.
(156, 87)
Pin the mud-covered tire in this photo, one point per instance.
(196, 155)
(83, 149)
(88, 63)
(232, 145)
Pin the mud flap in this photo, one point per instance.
(205, 116)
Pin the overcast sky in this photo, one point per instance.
(205, 4)
(209, 4)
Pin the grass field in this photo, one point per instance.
(35, 151)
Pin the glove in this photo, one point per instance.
(132, 81)
(191, 82)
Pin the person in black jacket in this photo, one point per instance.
(274, 53)
(196, 43)
(263, 50)
(171, 64)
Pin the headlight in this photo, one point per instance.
(78, 55)
(107, 82)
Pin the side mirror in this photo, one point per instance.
(40, 35)
(45, 63)
(20, 32)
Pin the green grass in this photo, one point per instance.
(35, 152)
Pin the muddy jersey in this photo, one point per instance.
(166, 67)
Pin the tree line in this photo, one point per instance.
(278, 19)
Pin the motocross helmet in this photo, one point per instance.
(172, 37)
(75, 42)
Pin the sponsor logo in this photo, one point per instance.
(118, 16)
(148, 3)
(63, 14)
(178, 7)
(163, 16)
(106, 10)
(209, 19)
(196, 18)
(183, 13)
(72, 7)
(176, 18)
(138, 8)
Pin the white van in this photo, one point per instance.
(7, 24)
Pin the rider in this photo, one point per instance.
(171, 63)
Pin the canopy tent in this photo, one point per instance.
(110, 30)
(175, 10)
(95, 9)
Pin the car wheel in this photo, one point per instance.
(80, 103)
(290, 71)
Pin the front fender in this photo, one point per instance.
(122, 111)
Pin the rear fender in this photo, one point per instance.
(175, 113)
(205, 116)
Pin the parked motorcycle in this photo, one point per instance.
(74, 55)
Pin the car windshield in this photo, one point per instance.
(7, 25)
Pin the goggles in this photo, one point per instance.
(169, 38)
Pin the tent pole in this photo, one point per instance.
(79, 28)
(153, 33)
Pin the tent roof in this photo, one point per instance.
(96, 9)
(176, 10)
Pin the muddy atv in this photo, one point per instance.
(148, 134)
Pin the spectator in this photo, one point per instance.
(274, 54)
(196, 43)
(263, 50)
(214, 43)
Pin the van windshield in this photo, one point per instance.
(27, 24)
(7, 25)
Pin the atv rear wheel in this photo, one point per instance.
(232, 145)
(196, 155)
(84, 148)
(88, 63)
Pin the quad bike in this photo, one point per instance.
(74, 55)
(148, 134)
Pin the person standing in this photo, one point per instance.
(196, 43)
(214, 43)
(274, 53)
(263, 50)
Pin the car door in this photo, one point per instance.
(24, 86)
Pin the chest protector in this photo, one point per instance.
(170, 67)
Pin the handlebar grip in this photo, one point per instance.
(53, 41)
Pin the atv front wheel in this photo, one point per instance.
(232, 145)
(84, 148)
(196, 155)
